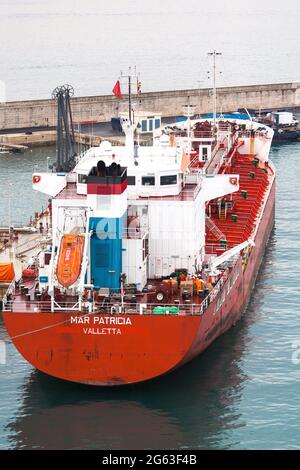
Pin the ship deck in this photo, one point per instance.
(70, 192)
(188, 193)
(196, 304)
(241, 220)
(234, 227)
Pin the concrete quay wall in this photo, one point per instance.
(42, 113)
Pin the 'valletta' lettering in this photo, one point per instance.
(102, 331)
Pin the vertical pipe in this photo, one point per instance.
(252, 143)
(129, 99)
(9, 208)
(215, 92)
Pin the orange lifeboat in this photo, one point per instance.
(69, 260)
(7, 272)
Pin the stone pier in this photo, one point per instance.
(42, 113)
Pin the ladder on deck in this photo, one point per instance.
(218, 234)
(222, 214)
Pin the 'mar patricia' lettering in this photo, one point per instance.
(112, 321)
(80, 320)
(86, 320)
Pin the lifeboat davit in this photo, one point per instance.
(69, 259)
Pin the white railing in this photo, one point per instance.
(118, 307)
(204, 135)
(67, 306)
(185, 194)
(109, 308)
(213, 294)
(105, 308)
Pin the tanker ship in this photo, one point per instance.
(155, 251)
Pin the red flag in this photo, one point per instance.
(117, 90)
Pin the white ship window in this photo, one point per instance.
(131, 180)
(82, 179)
(168, 179)
(148, 180)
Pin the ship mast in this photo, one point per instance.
(189, 112)
(129, 99)
(128, 125)
(130, 109)
(214, 55)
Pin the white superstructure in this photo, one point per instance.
(142, 209)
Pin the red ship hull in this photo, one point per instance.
(113, 350)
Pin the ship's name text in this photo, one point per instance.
(111, 323)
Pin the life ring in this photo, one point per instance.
(36, 179)
(233, 180)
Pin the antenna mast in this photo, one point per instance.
(129, 77)
(214, 54)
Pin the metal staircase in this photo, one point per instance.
(214, 229)
(222, 214)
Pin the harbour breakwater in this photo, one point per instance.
(42, 113)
